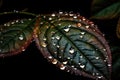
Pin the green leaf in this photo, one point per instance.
(15, 36)
(110, 12)
(74, 44)
(97, 5)
(118, 29)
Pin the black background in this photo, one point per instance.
(31, 62)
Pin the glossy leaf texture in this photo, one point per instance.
(118, 29)
(15, 36)
(74, 44)
(110, 12)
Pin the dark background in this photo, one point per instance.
(31, 61)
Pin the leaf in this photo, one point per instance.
(74, 44)
(97, 5)
(15, 36)
(116, 63)
(118, 29)
(112, 11)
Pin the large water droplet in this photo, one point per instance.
(54, 61)
(43, 44)
(71, 51)
(21, 37)
(57, 37)
(82, 66)
(62, 67)
(66, 29)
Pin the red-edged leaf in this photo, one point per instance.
(74, 44)
(15, 36)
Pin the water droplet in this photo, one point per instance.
(62, 67)
(43, 44)
(71, 51)
(23, 49)
(81, 36)
(69, 26)
(59, 24)
(105, 60)
(53, 15)
(15, 11)
(65, 62)
(87, 27)
(82, 33)
(79, 24)
(99, 77)
(58, 46)
(8, 24)
(93, 74)
(54, 44)
(21, 37)
(21, 21)
(50, 18)
(109, 65)
(49, 57)
(68, 70)
(71, 14)
(1, 41)
(97, 73)
(74, 17)
(60, 12)
(12, 22)
(55, 52)
(96, 57)
(60, 56)
(44, 39)
(66, 29)
(54, 61)
(53, 38)
(83, 19)
(81, 57)
(29, 19)
(68, 57)
(72, 66)
(104, 49)
(17, 21)
(5, 24)
(82, 66)
(57, 37)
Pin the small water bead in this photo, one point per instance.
(62, 67)
(53, 15)
(104, 49)
(82, 33)
(54, 61)
(81, 57)
(79, 24)
(65, 62)
(68, 57)
(50, 18)
(55, 52)
(53, 38)
(99, 77)
(71, 14)
(57, 37)
(57, 46)
(74, 17)
(109, 65)
(44, 39)
(17, 21)
(82, 66)
(81, 36)
(12, 22)
(66, 29)
(49, 57)
(43, 44)
(21, 21)
(86, 27)
(5, 24)
(96, 57)
(72, 66)
(21, 37)
(8, 24)
(71, 51)
(29, 19)
(60, 12)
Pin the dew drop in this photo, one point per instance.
(58, 46)
(93, 74)
(68, 57)
(87, 27)
(60, 56)
(81, 36)
(72, 66)
(21, 21)
(55, 52)
(57, 37)
(79, 24)
(81, 57)
(62, 67)
(99, 77)
(12, 22)
(66, 29)
(43, 44)
(53, 15)
(5, 24)
(21, 37)
(71, 14)
(17, 21)
(23, 49)
(82, 66)
(29, 19)
(68, 70)
(44, 39)
(74, 17)
(71, 51)
(104, 49)
(96, 57)
(8, 24)
(50, 18)
(54, 61)
(49, 57)
(109, 65)
(60, 12)
(82, 33)
(53, 38)
(65, 62)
